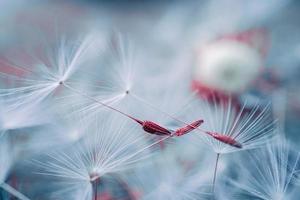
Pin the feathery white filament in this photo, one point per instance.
(270, 172)
(111, 145)
(250, 128)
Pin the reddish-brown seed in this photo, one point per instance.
(188, 128)
(155, 129)
(225, 139)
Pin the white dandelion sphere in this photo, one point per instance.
(228, 66)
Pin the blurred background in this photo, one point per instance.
(261, 38)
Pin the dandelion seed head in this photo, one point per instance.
(228, 66)
(112, 145)
(230, 129)
(269, 172)
(44, 71)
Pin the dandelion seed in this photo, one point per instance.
(230, 135)
(124, 74)
(43, 75)
(230, 130)
(108, 149)
(65, 70)
(188, 128)
(268, 173)
(225, 139)
(148, 126)
(154, 128)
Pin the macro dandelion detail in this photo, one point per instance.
(274, 173)
(108, 149)
(229, 130)
(183, 101)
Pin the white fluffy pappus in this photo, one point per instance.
(38, 71)
(248, 128)
(268, 173)
(112, 145)
(123, 78)
(110, 78)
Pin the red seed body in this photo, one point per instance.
(188, 128)
(155, 129)
(225, 139)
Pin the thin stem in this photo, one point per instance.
(129, 116)
(13, 191)
(100, 102)
(215, 173)
(163, 112)
(123, 113)
(95, 188)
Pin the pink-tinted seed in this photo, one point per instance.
(225, 139)
(154, 128)
(188, 128)
(148, 126)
